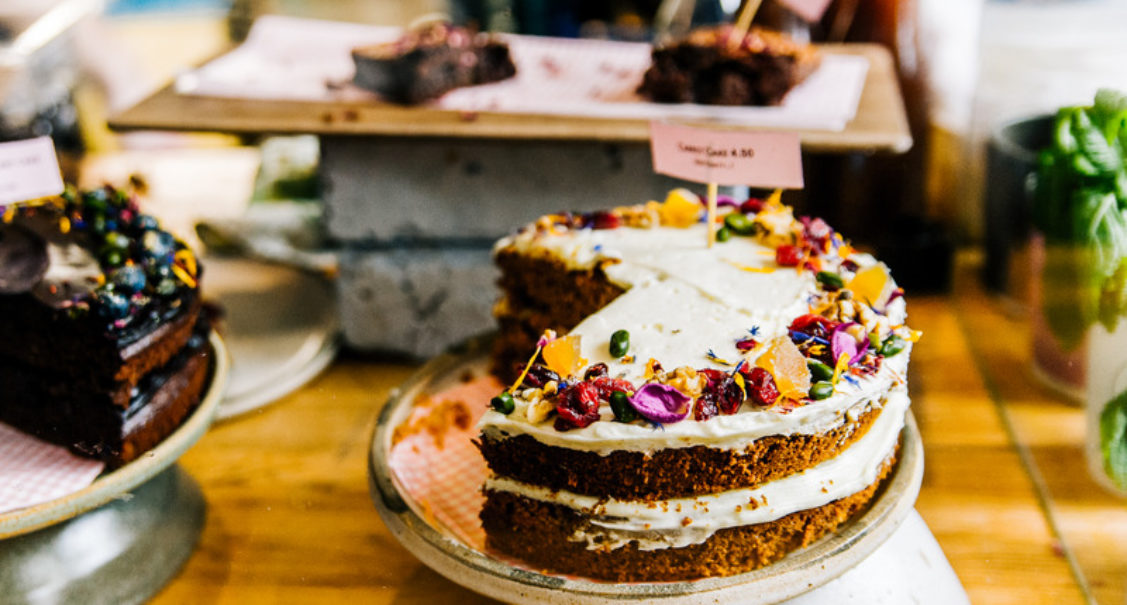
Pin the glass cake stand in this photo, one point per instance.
(123, 537)
(802, 571)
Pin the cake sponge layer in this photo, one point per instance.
(543, 535)
(92, 423)
(671, 472)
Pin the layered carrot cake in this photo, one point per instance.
(680, 410)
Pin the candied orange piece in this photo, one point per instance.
(562, 355)
(682, 208)
(869, 283)
(788, 366)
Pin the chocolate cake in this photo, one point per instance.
(680, 411)
(708, 68)
(427, 63)
(103, 347)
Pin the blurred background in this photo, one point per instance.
(380, 246)
(966, 70)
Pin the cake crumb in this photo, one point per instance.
(687, 521)
(435, 420)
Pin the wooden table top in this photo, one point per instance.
(881, 123)
(1005, 492)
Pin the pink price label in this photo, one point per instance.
(769, 160)
(29, 169)
(810, 10)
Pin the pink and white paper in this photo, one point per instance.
(29, 169)
(286, 58)
(445, 480)
(33, 471)
(727, 157)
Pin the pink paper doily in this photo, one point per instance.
(33, 471)
(438, 464)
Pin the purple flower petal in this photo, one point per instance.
(721, 201)
(661, 403)
(843, 342)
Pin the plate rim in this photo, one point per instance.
(116, 483)
(497, 579)
(317, 353)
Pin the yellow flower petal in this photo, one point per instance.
(682, 208)
(562, 356)
(869, 284)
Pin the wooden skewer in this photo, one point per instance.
(743, 23)
(711, 214)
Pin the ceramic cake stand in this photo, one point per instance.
(119, 540)
(886, 556)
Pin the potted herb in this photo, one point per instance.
(1080, 208)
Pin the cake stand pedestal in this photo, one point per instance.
(121, 553)
(123, 537)
(909, 567)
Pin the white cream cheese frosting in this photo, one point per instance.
(680, 522)
(681, 301)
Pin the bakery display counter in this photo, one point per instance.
(415, 196)
(263, 88)
(1004, 490)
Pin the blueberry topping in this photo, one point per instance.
(157, 244)
(128, 279)
(112, 305)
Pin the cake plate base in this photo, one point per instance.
(886, 555)
(123, 537)
(123, 552)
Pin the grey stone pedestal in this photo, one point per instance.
(417, 218)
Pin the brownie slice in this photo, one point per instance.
(428, 63)
(705, 68)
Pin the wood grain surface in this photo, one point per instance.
(291, 520)
(881, 123)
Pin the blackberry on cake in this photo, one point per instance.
(103, 346)
(679, 411)
(708, 67)
(428, 62)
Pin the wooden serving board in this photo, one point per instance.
(880, 123)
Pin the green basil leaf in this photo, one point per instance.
(1113, 439)
(1102, 156)
(1083, 165)
(1108, 104)
(1063, 139)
